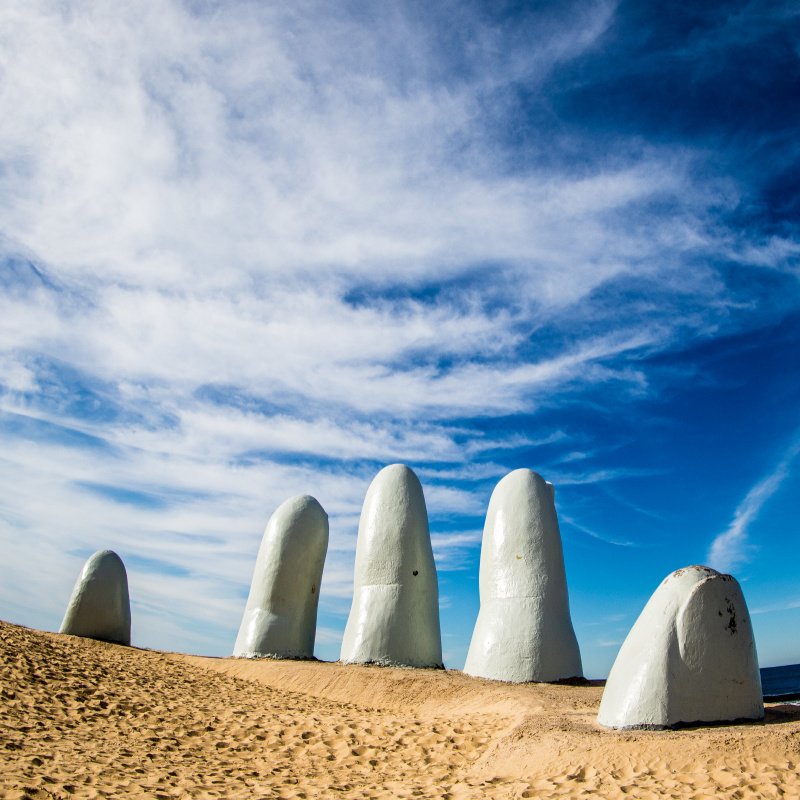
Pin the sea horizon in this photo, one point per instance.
(783, 681)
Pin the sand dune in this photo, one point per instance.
(87, 719)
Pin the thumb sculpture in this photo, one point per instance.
(689, 658)
(100, 607)
(524, 630)
(394, 619)
(280, 619)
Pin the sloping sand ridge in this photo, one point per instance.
(80, 718)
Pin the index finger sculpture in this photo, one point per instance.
(394, 619)
(524, 631)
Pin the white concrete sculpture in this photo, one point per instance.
(100, 607)
(524, 631)
(394, 619)
(280, 619)
(689, 658)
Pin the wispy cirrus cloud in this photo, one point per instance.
(731, 548)
(566, 519)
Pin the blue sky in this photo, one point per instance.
(252, 250)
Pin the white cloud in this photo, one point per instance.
(184, 152)
(731, 547)
(568, 520)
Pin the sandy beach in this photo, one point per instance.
(85, 719)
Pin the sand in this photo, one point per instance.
(80, 718)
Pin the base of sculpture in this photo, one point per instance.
(389, 633)
(279, 656)
(513, 640)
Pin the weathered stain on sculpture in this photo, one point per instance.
(280, 619)
(690, 657)
(99, 607)
(524, 630)
(394, 619)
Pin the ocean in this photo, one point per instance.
(781, 682)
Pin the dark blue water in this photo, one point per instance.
(776, 681)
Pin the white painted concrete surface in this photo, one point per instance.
(99, 607)
(280, 619)
(394, 619)
(690, 657)
(524, 630)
